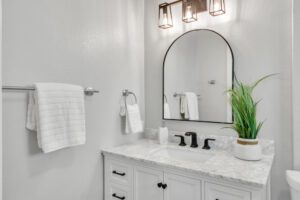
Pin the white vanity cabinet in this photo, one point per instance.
(127, 179)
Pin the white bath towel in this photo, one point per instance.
(167, 112)
(58, 116)
(134, 123)
(192, 104)
(31, 112)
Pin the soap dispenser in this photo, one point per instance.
(163, 135)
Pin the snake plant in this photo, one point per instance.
(244, 109)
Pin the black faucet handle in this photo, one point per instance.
(206, 143)
(190, 133)
(182, 142)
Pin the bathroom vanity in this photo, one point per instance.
(149, 171)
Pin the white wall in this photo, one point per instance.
(87, 42)
(260, 33)
(296, 84)
(1, 100)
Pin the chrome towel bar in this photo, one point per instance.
(89, 91)
(182, 95)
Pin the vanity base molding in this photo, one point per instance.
(128, 179)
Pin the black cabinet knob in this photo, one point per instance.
(159, 185)
(118, 197)
(162, 185)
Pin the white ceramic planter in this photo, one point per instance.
(247, 149)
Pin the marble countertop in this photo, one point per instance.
(222, 163)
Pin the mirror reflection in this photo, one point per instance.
(198, 70)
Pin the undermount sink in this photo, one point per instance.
(183, 154)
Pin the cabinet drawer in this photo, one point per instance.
(119, 173)
(219, 192)
(117, 192)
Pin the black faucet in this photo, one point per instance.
(206, 143)
(194, 143)
(182, 142)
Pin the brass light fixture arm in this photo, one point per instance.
(200, 4)
(175, 2)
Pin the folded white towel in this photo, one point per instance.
(192, 103)
(167, 112)
(134, 123)
(58, 116)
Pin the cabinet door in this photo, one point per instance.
(181, 188)
(218, 192)
(145, 184)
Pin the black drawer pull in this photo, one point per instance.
(116, 196)
(118, 173)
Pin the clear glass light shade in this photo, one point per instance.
(165, 16)
(217, 7)
(189, 11)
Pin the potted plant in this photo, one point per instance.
(245, 123)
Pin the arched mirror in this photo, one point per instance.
(198, 70)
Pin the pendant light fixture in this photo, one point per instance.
(216, 7)
(165, 16)
(189, 11)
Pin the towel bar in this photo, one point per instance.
(89, 91)
(182, 95)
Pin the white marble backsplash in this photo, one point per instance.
(221, 143)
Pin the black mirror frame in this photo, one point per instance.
(163, 87)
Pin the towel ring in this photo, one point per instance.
(126, 93)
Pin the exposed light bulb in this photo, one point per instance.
(165, 19)
(217, 6)
(189, 14)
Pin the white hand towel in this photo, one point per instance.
(167, 113)
(134, 123)
(184, 113)
(60, 116)
(123, 107)
(192, 103)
